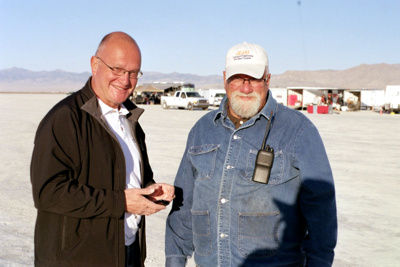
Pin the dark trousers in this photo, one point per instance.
(132, 254)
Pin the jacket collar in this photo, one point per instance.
(91, 104)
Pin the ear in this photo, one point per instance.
(94, 63)
(268, 78)
(224, 73)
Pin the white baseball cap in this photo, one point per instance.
(246, 58)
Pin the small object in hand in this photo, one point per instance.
(162, 202)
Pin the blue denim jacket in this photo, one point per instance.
(226, 219)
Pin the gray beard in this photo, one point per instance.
(245, 109)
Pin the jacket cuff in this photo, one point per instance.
(119, 204)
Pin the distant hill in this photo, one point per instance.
(22, 80)
(376, 76)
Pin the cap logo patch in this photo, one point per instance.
(242, 54)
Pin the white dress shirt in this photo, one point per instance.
(117, 121)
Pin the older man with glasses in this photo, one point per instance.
(255, 185)
(91, 178)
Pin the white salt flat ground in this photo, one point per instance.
(363, 148)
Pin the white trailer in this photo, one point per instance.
(280, 95)
(371, 98)
(309, 96)
(392, 98)
(210, 94)
(302, 97)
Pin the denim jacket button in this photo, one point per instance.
(223, 200)
(223, 235)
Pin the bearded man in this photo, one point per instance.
(254, 187)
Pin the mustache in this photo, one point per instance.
(252, 94)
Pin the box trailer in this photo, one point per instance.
(392, 98)
(212, 94)
(302, 97)
(280, 95)
(372, 98)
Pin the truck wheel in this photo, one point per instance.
(190, 106)
(164, 105)
(205, 108)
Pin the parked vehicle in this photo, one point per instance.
(181, 99)
(211, 95)
(217, 99)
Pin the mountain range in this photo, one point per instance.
(375, 76)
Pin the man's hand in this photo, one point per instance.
(162, 192)
(140, 200)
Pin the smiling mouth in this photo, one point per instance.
(120, 89)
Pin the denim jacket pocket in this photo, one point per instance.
(277, 166)
(201, 232)
(203, 159)
(258, 234)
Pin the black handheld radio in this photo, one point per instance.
(264, 160)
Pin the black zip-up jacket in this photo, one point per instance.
(78, 183)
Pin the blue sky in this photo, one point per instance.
(194, 36)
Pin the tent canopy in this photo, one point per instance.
(148, 88)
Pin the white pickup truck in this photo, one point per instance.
(182, 99)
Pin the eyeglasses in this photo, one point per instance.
(238, 81)
(134, 74)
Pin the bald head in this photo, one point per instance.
(116, 38)
(116, 50)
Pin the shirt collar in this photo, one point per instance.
(106, 109)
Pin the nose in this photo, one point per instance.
(246, 88)
(125, 80)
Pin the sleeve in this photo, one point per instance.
(55, 168)
(317, 197)
(178, 236)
